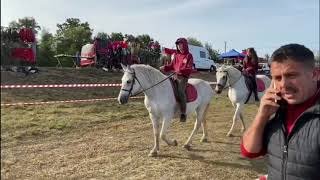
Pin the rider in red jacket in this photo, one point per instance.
(182, 66)
(250, 68)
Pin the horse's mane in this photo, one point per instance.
(229, 68)
(232, 71)
(148, 73)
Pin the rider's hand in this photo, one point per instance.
(268, 103)
(162, 68)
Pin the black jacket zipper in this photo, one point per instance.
(284, 153)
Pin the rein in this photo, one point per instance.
(143, 90)
(230, 85)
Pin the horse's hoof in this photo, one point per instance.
(153, 154)
(187, 147)
(175, 142)
(229, 135)
(204, 140)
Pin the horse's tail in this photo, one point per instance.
(211, 90)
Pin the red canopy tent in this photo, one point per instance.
(244, 52)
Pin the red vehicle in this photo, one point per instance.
(28, 52)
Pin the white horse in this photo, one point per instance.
(160, 101)
(232, 78)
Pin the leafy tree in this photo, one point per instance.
(129, 38)
(26, 22)
(144, 40)
(194, 41)
(103, 36)
(116, 36)
(214, 54)
(72, 35)
(46, 49)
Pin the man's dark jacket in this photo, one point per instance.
(296, 156)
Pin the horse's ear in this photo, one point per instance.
(124, 67)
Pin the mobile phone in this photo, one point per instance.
(282, 102)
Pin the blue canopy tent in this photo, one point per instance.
(231, 54)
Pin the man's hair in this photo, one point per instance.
(294, 52)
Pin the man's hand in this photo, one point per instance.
(253, 138)
(268, 104)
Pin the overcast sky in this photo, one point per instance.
(262, 24)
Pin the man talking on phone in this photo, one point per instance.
(286, 127)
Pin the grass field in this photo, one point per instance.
(104, 140)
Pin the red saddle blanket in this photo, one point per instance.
(191, 92)
(260, 85)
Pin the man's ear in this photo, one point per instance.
(316, 74)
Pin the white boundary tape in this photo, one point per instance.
(66, 85)
(69, 101)
(59, 86)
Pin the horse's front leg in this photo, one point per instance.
(235, 117)
(165, 126)
(155, 124)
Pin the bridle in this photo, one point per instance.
(228, 78)
(143, 90)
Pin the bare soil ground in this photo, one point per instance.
(107, 141)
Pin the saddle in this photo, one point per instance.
(191, 91)
(249, 81)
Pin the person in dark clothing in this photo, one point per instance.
(250, 68)
(182, 66)
(77, 59)
(287, 124)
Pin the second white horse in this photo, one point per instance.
(232, 78)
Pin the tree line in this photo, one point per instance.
(72, 34)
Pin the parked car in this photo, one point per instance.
(264, 68)
(201, 58)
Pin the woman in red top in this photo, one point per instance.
(182, 66)
(250, 68)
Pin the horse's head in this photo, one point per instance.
(130, 84)
(222, 78)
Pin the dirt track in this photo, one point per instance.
(101, 146)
